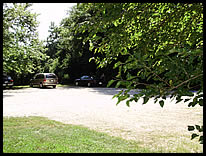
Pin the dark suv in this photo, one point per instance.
(44, 79)
(7, 81)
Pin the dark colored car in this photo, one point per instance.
(44, 79)
(85, 81)
(7, 81)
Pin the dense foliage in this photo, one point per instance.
(22, 50)
(158, 42)
(69, 54)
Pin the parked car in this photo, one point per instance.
(44, 79)
(85, 81)
(7, 81)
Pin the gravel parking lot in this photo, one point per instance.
(95, 108)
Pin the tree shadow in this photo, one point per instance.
(4, 96)
(106, 91)
(102, 90)
(48, 87)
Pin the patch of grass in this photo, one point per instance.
(63, 85)
(40, 135)
(20, 87)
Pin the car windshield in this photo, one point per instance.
(86, 77)
(50, 76)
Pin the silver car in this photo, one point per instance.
(44, 79)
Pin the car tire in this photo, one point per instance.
(54, 86)
(76, 83)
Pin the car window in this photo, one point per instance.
(50, 76)
(40, 76)
(83, 77)
(86, 78)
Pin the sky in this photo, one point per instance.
(49, 12)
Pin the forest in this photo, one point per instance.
(154, 46)
(63, 53)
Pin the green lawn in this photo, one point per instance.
(40, 135)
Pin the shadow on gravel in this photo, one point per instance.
(106, 91)
(101, 90)
(4, 96)
(13, 88)
(46, 88)
(113, 91)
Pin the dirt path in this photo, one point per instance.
(95, 108)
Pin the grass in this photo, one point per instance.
(40, 135)
(20, 87)
(63, 85)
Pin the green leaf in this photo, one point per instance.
(117, 95)
(186, 100)
(117, 64)
(161, 103)
(194, 135)
(115, 23)
(92, 58)
(201, 102)
(110, 82)
(178, 98)
(122, 97)
(197, 127)
(118, 84)
(146, 99)
(201, 139)
(164, 97)
(127, 103)
(192, 104)
(191, 128)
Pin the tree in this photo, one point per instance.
(22, 50)
(161, 43)
(51, 63)
(69, 56)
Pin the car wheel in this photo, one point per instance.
(54, 86)
(89, 84)
(76, 83)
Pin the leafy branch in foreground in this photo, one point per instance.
(157, 45)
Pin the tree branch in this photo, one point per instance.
(157, 76)
(186, 81)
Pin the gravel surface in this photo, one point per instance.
(95, 108)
